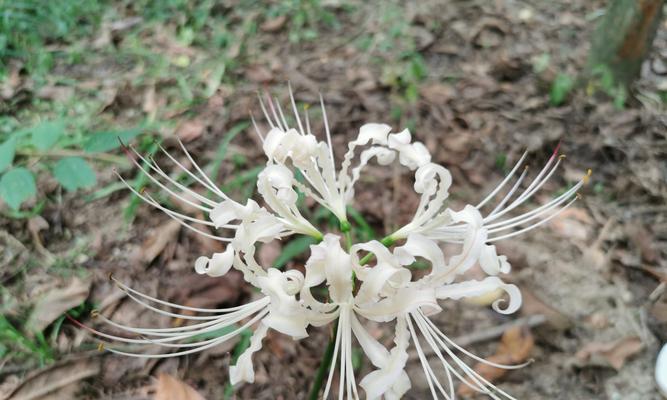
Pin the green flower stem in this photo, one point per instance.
(387, 241)
(324, 365)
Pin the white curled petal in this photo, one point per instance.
(377, 133)
(229, 210)
(475, 288)
(661, 370)
(473, 243)
(400, 139)
(274, 183)
(492, 263)
(263, 229)
(399, 388)
(293, 325)
(329, 256)
(218, 265)
(429, 176)
(412, 155)
(243, 371)
(378, 278)
(390, 379)
(402, 301)
(272, 142)
(285, 312)
(376, 352)
(420, 246)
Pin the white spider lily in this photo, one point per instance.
(661, 370)
(435, 221)
(371, 281)
(387, 293)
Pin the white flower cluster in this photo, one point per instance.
(369, 281)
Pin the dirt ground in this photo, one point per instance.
(594, 273)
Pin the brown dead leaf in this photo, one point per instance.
(515, 348)
(574, 223)
(532, 305)
(55, 93)
(258, 74)
(190, 130)
(158, 240)
(613, 354)
(13, 254)
(52, 382)
(170, 388)
(55, 302)
(643, 240)
(274, 24)
(657, 320)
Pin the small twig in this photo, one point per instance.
(110, 158)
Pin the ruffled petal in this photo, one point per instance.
(420, 246)
(390, 378)
(412, 155)
(286, 315)
(218, 265)
(329, 257)
(375, 133)
(475, 288)
(492, 263)
(402, 301)
(243, 371)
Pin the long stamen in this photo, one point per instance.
(294, 109)
(212, 186)
(208, 185)
(257, 131)
(326, 129)
(198, 349)
(339, 332)
(535, 225)
(280, 111)
(428, 372)
(502, 184)
(534, 186)
(164, 187)
(266, 114)
(275, 115)
(187, 308)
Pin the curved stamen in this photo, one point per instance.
(504, 181)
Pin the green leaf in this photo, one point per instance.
(74, 173)
(105, 141)
(46, 134)
(7, 150)
(16, 186)
(560, 88)
(293, 249)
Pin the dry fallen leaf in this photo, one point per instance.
(190, 130)
(55, 302)
(170, 388)
(158, 240)
(515, 348)
(613, 354)
(53, 382)
(532, 305)
(273, 24)
(574, 223)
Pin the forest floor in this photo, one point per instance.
(477, 82)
